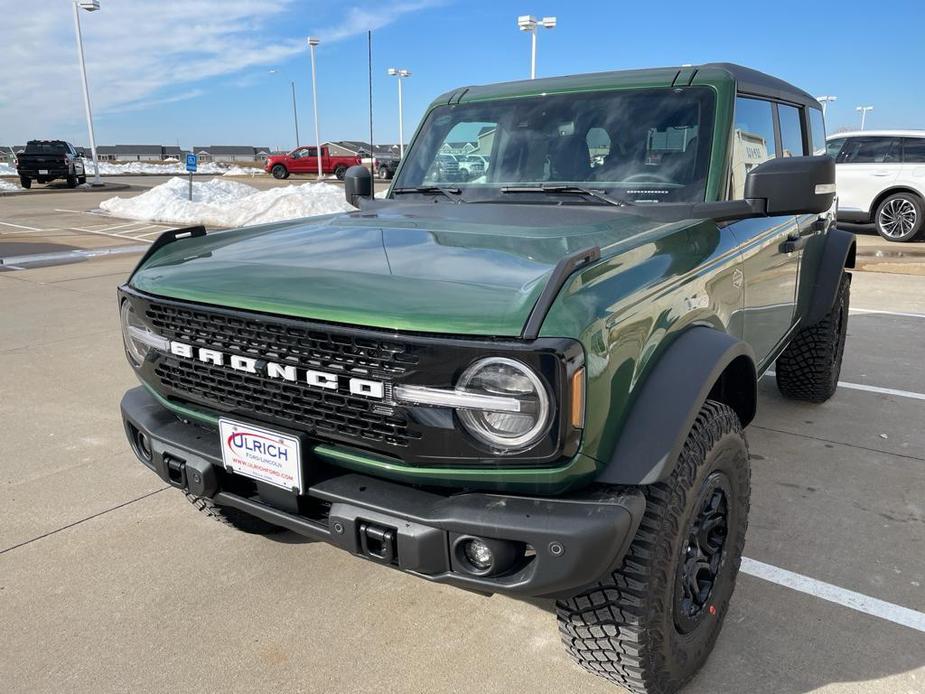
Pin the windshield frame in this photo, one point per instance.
(709, 152)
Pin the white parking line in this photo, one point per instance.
(873, 389)
(887, 313)
(20, 226)
(95, 214)
(106, 233)
(832, 593)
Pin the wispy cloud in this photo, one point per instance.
(142, 54)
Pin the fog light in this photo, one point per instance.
(479, 554)
(144, 445)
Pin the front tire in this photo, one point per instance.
(71, 181)
(279, 171)
(233, 517)
(810, 366)
(650, 625)
(340, 172)
(383, 173)
(900, 217)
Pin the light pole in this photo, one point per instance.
(863, 110)
(400, 74)
(825, 101)
(530, 23)
(295, 114)
(312, 42)
(89, 6)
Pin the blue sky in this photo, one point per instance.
(198, 71)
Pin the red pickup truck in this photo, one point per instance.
(305, 160)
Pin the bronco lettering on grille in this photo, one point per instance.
(285, 372)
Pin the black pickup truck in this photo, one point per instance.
(47, 160)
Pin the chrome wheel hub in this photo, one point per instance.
(897, 218)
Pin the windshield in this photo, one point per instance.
(51, 147)
(648, 145)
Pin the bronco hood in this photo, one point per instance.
(471, 269)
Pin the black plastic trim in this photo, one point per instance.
(837, 254)
(663, 411)
(560, 273)
(576, 539)
(166, 238)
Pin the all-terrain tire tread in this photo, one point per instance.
(604, 628)
(809, 368)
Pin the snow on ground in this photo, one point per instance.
(7, 187)
(228, 203)
(163, 168)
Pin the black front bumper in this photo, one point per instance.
(570, 541)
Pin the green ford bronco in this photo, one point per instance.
(533, 381)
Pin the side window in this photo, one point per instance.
(817, 132)
(791, 131)
(833, 147)
(598, 145)
(914, 150)
(870, 150)
(753, 140)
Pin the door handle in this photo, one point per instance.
(793, 243)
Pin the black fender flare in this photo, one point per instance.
(838, 253)
(669, 399)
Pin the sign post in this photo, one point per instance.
(191, 162)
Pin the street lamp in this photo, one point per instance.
(400, 74)
(312, 42)
(825, 101)
(530, 23)
(89, 6)
(295, 115)
(863, 110)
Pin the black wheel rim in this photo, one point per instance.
(702, 553)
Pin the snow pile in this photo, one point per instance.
(227, 203)
(7, 170)
(163, 168)
(243, 171)
(7, 187)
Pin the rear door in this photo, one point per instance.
(912, 172)
(865, 167)
(771, 275)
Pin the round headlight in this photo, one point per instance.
(132, 328)
(507, 378)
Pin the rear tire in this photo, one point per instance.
(340, 172)
(25, 182)
(81, 180)
(279, 171)
(233, 517)
(650, 625)
(810, 366)
(384, 173)
(900, 217)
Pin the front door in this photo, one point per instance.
(771, 278)
(764, 130)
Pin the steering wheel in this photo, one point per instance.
(645, 177)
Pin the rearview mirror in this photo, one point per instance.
(358, 183)
(793, 185)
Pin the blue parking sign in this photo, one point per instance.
(191, 161)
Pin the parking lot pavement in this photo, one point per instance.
(109, 582)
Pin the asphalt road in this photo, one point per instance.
(110, 582)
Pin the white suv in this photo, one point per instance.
(881, 179)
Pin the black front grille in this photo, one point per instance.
(338, 414)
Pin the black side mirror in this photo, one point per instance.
(793, 185)
(358, 183)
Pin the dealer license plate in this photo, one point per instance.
(261, 454)
(43, 171)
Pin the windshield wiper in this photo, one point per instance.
(452, 193)
(567, 190)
